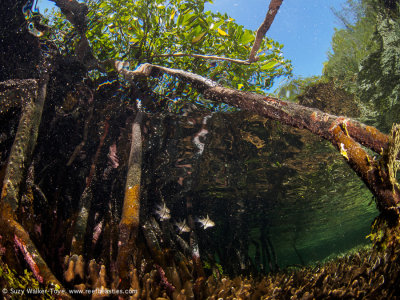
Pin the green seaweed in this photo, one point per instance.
(14, 283)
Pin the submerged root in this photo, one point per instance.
(36, 263)
(393, 150)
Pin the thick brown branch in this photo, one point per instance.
(74, 11)
(289, 113)
(130, 211)
(262, 30)
(23, 146)
(97, 154)
(20, 158)
(20, 152)
(370, 171)
(79, 148)
(314, 120)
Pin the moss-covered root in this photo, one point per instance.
(21, 151)
(85, 202)
(20, 158)
(24, 142)
(374, 174)
(14, 231)
(129, 224)
(392, 163)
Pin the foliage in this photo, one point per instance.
(216, 268)
(152, 30)
(352, 44)
(365, 60)
(291, 89)
(9, 279)
(379, 76)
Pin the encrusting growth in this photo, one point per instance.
(18, 162)
(129, 224)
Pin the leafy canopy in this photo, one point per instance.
(379, 76)
(365, 60)
(140, 31)
(352, 44)
(291, 89)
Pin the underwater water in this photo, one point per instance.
(277, 193)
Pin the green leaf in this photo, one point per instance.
(269, 65)
(181, 26)
(247, 37)
(103, 4)
(198, 38)
(125, 18)
(133, 40)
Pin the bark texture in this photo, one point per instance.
(264, 27)
(345, 134)
(129, 224)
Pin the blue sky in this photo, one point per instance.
(304, 27)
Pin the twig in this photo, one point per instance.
(212, 57)
(262, 30)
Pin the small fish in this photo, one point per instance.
(206, 222)
(182, 226)
(163, 212)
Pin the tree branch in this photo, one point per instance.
(74, 11)
(262, 30)
(371, 171)
(24, 142)
(290, 113)
(212, 57)
(314, 120)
